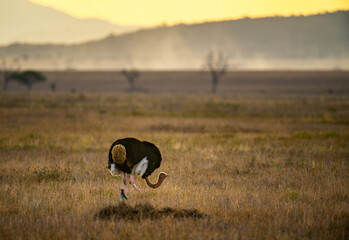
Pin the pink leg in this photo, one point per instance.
(124, 181)
(132, 182)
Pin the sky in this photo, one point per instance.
(158, 12)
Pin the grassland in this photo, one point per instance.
(259, 166)
(270, 83)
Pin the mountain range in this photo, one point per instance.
(24, 21)
(297, 42)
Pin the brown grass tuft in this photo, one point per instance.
(144, 211)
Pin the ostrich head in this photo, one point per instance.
(161, 178)
(163, 175)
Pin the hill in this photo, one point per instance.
(24, 21)
(300, 42)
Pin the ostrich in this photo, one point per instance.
(129, 155)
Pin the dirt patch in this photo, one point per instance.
(143, 211)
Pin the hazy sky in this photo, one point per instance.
(155, 12)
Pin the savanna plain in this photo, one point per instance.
(266, 157)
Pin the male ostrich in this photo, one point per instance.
(129, 155)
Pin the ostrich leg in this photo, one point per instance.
(132, 181)
(124, 181)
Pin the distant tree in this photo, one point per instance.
(28, 78)
(53, 86)
(8, 72)
(217, 65)
(131, 75)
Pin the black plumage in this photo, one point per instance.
(136, 151)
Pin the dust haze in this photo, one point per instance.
(317, 42)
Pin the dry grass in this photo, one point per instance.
(125, 211)
(198, 82)
(258, 167)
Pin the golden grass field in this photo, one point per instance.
(257, 166)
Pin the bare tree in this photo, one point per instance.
(131, 75)
(53, 86)
(28, 78)
(217, 65)
(8, 72)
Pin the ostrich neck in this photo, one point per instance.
(156, 185)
